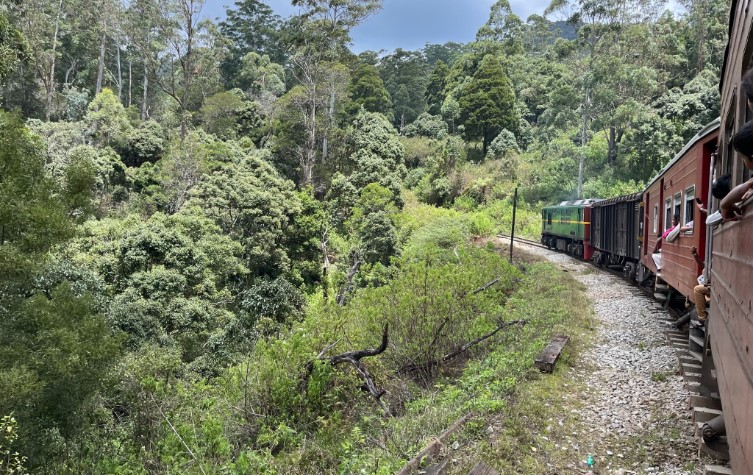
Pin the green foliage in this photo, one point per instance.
(13, 47)
(417, 150)
(372, 222)
(378, 156)
(262, 75)
(427, 125)
(11, 462)
(487, 103)
(170, 278)
(106, 119)
(435, 93)
(55, 356)
(32, 216)
(229, 114)
(145, 143)
(405, 76)
(367, 90)
(253, 205)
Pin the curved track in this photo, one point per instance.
(675, 312)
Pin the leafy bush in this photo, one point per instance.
(145, 143)
(426, 125)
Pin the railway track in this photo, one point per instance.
(689, 344)
(619, 273)
(523, 240)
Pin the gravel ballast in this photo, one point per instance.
(635, 417)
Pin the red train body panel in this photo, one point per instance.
(730, 255)
(673, 191)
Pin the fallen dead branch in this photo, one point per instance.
(354, 359)
(431, 364)
(432, 450)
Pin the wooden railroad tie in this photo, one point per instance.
(546, 360)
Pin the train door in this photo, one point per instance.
(646, 222)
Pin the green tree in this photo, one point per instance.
(426, 125)
(54, 346)
(252, 27)
(378, 154)
(254, 206)
(435, 94)
(13, 47)
(405, 74)
(106, 119)
(372, 222)
(503, 28)
(368, 91)
(487, 103)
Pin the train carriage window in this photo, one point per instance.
(668, 214)
(656, 219)
(688, 209)
(549, 217)
(677, 204)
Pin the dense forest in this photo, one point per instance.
(198, 217)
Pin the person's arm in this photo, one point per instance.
(697, 257)
(700, 206)
(729, 209)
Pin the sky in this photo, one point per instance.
(409, 24)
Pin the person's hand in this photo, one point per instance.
(730, 212)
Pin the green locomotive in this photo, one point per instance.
(565, 227)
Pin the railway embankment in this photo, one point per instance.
(625, 401)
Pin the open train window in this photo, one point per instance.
(656, 219)
(688, 209)
(677, 204)
(668, 214)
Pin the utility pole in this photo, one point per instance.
(513, 225)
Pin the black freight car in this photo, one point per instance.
(617, 232)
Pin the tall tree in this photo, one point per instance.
(335, 18)
(487, 103)
(435, 93)
(174, 69)
(368, 91)
(405, 74)
(504, 28)
(40, 22)
(144, 32)
(252, 27)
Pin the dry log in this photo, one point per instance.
(432, 450)
(348, 286)
(354, 359)
(428, 365)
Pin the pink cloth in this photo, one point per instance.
(667, 231)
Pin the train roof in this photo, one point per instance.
(583, 202)
(708, 129)
(731, 19)
(620, 199)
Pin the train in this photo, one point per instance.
(623, 233)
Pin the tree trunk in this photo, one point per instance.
(101, 62)
(130, 80)
(582, 157)
(144, 114)
(51, 79)
(612, 146)
(330, 115)
(120, 75)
